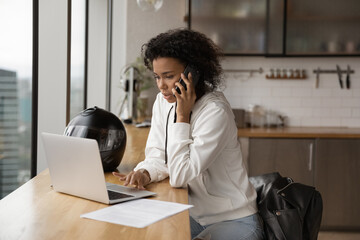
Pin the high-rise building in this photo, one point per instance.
(9, 133)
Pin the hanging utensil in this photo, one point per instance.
(317, 78)
(348, 77)
(339, 75)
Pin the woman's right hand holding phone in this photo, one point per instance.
(185, 100)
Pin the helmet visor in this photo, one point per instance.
(108, 139)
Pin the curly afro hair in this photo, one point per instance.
(190, 48)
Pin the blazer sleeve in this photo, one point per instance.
(154, 161)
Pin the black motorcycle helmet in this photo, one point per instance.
(106, 129)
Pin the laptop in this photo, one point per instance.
(75, 168)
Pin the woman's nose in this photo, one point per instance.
(161, 84)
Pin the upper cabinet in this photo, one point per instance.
(323, 27)
(238, 27)
(279, 27)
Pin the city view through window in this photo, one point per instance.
(16, 48)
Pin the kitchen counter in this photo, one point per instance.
(300, 132)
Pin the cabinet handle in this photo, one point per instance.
(310, 156)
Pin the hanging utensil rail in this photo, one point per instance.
(251, 71)
(321, 71)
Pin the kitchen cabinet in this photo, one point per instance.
(279, 27)
(337, 178)
(323, 27)
(237, 26)
(331, 165)
(290, 157)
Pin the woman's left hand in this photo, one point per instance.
(185, 100)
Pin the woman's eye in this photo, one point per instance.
(169, 77)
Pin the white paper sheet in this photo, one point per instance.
(137, 213)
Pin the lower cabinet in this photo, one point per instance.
(290, 157)
(337, 178)
(331, 165)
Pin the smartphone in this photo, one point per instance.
(194, 74)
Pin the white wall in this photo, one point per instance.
(299, 100)
(52, 71)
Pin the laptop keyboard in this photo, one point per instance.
(116, 195)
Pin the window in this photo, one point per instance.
(16, 93)
(78, 58)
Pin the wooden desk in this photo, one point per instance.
(35, 211)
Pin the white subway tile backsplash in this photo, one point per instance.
(330, 122)
(291, 102)
(354, 81)
(355, 113)
(295, 84)
(321, 92)
(350, 102)
(321, 112)
(233, 91)
(311, 102)
(301, 92)
(309, 122)
(343, 93)
(271, 102)
(299, 112)
(261, 92)
(233, 82)
(341, 112)
(281, 92)
(356, 92)
(244, 102)
(329, 81)
(299, 100)
(332, 102)
(350, 122)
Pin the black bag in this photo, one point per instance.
(290, 211)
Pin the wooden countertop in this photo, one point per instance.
(35, 211)
(135, 147)
(300, 132)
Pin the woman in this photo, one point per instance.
(193, 138)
